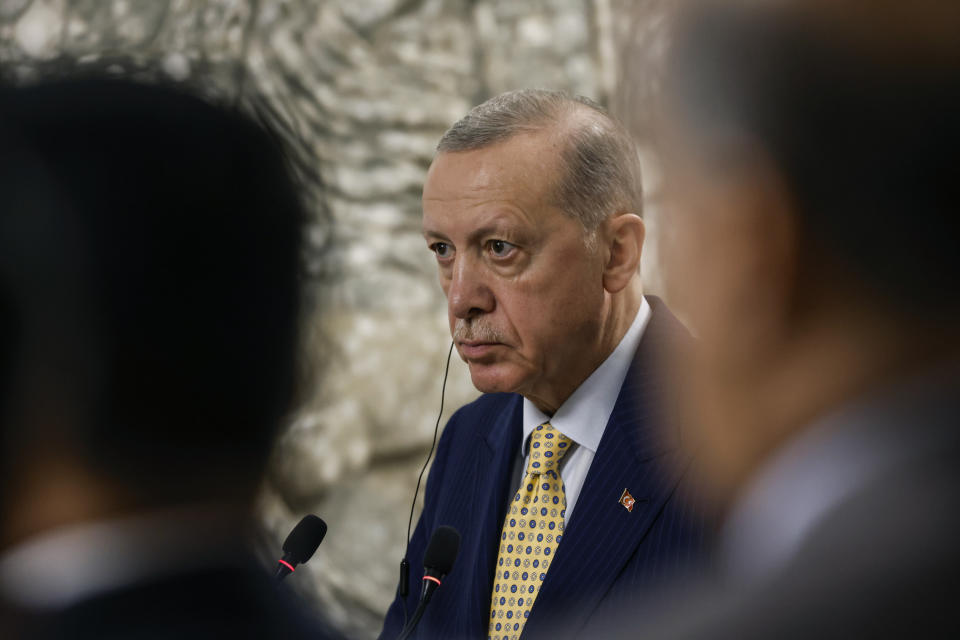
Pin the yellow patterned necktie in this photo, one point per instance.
(531, 532)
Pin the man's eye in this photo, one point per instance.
(442, 249)
(501, 248)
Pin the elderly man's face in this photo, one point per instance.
(525, 295)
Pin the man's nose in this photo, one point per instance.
(468, 295)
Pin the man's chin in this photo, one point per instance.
(494, 378)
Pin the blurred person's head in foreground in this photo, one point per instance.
(149, 256)
(812, 178)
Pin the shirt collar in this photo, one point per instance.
(583, 416)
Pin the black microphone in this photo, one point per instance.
(301, 544)
(437, 562)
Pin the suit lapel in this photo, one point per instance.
(635, 454)
(497, 450)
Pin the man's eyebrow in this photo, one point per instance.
(501, 224)
(490, 229)
(475, 234)
(432, 233)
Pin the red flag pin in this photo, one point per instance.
(627, 500)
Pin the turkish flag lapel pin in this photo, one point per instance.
(627, 500)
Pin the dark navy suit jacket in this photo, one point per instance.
(609, 555)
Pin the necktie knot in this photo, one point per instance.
(547, 448)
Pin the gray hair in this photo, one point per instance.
(600, 165)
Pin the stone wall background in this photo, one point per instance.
(360, 90)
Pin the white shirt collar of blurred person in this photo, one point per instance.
(64, 566)
(583, 417)
(815, 474)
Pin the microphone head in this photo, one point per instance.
(442, 550)
(305, 538)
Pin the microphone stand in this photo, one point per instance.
(421, 607)
(430, 584)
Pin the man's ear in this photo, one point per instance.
(623, 235)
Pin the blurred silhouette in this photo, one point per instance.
(812, 176)
(149, 259)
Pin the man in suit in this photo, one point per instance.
(813, 172)
(149, 260)
(531, 208)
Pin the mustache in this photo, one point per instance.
(474, 331)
